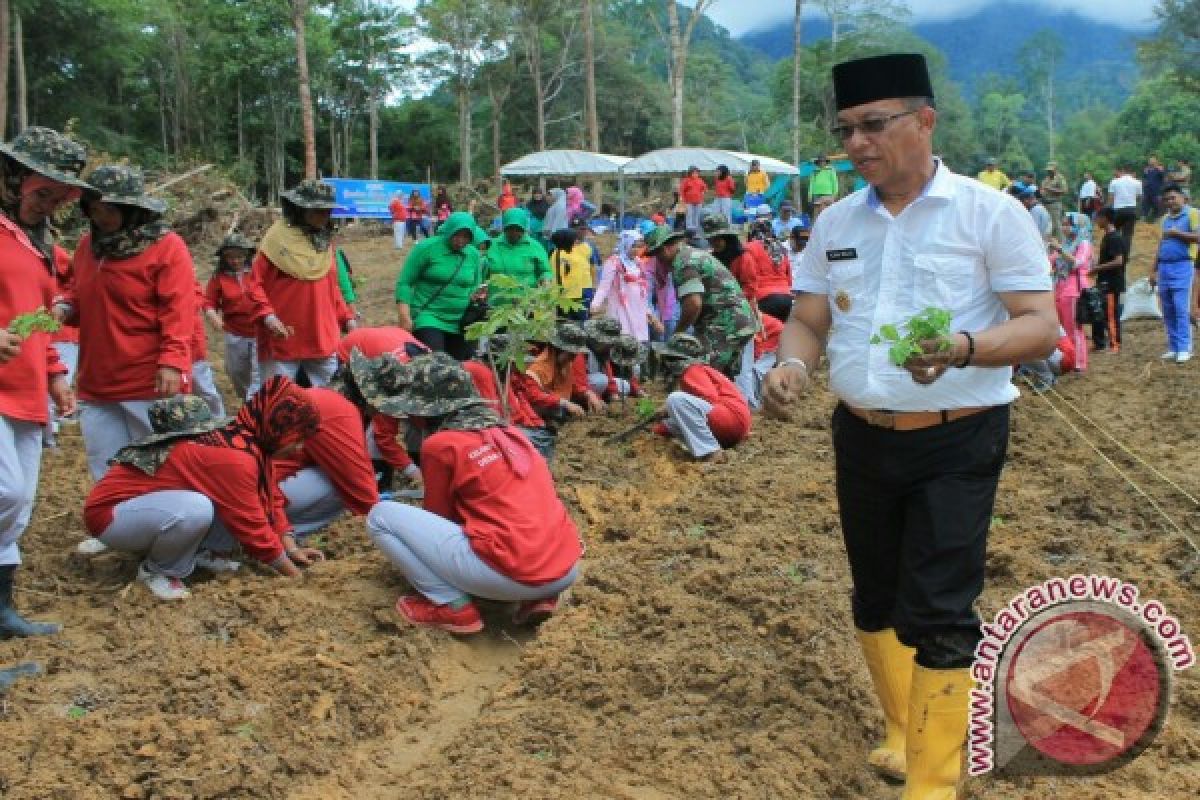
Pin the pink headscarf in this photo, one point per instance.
(574, 201)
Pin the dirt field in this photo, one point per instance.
(708, 652)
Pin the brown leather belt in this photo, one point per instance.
(912, 420)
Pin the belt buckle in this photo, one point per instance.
(881, 419)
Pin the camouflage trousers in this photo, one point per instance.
(726, 350)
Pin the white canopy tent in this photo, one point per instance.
(554, 163)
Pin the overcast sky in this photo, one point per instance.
(740, 16)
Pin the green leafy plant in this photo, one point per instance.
(25, 325)
(932, 324)
(76, 712)
(646, 408)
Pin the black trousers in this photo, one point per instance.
(1107, 332)
(453, 344)
(915, 509)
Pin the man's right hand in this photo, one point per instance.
(10, 346)
(574, 409)
(782, 390)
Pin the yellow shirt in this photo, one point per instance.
(757, 182)
(994, 178)
(573, 270)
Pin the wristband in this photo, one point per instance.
(966, 362)
(787, 362)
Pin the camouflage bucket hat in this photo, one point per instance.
(570, 338)
(123, 185)
(661, 236)
(50, 153)
(684, 345)
(378, 379)
(236, 241)
(311, 194)
(628, 352)
(602, 332)
(439, 386)
(717, 225)
(182, 415)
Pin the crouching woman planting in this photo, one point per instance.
(492, 527)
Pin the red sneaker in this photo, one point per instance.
(535, 612)
(420, 611)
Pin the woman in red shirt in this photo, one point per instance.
(238, 308)
(724, 187)
(706, 413)
(493, 525)
(727, 248)
(201, 481)
(39, 174)
(134, 295)
(418, 216)
(691, 193)
(297, 273)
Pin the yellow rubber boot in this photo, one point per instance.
(937, 729)
(890, 664)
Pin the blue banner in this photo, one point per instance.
(369, 199)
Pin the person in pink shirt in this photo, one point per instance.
(623, 290)
(1071, 263)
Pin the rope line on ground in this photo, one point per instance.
(1154, 503)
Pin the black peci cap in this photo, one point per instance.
(867, 80)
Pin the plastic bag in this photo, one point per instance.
(1141, 301)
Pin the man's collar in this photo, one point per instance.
(940, 186)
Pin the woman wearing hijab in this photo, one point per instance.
(573, 270)
(492, 525)
(1071, 266)
(727, 248)
(556, 217)
(240, 309)
(418, 216)
(134, 296)
(296, 270)
(39, 174)
(773, 271)
(442, 207)
(537, 205)
(623, 291)
(166, 493)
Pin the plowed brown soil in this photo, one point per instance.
(707, 653)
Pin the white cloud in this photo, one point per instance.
(740, 16)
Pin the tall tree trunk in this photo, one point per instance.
(5, 42)
(678, 66)
(162, 111)
(589, 72)
(333, 144)
(22, 84)
(241, 130)
(797, 51)
(497, 97)
(373, 134)
(464, 132)
(299, 11)
(347, 143)
(1050, 108)
(539, 88)
(182, 116)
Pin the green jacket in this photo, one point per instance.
(823, 182)
(525, 261)
(436, 282)
(345, 283)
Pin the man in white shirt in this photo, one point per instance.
(1124, 194)
(919, 447)
(1087, 194)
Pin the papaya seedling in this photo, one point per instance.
(25, 325)
(904, 340)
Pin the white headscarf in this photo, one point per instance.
(625, 247)
(556, 215)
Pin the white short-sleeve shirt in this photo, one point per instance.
(1124, 191)
(956, 247)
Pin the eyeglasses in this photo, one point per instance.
(870, 127)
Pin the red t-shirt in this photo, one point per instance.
(135, 315)
(227, 477)
(691, 190)
(63, 276)
(339, 448)
(199, 343)
(520, 412)
(744, 269)
(399, 212)
(767, 340)
(26, 284)
(516, 523)
(725, 187)
(729, 419)
(772, 278)
(314, 310)
(374, 342)
(240, 301)
(527, 388)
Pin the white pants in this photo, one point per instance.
(435, 556)
(598, 383)
(744, 380)
(107, 427)
(693, 219)
(319, 370)
(68, 354)
(205, 387)
(749, 382)
(724, 207)
(399, 229)
(241, 364)
(312, 501)
(20, 462)
(165, 528)
(687, 420)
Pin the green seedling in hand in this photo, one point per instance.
(25, 325)
(931, 324)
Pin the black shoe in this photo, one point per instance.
(13, 624)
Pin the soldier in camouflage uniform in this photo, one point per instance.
(711, 301)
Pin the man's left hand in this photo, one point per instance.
(927, 368)
(62, 396)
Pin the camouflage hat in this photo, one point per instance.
(602, 332)
(181, 415)
(438, 386)
(628, 352)
(661, 236)
(236, 241)
(684, 345)
(311, 194)
(717, 225)
(378, 379)
(570, 338)
(123, 185)
(50, 153)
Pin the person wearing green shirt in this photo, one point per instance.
(823, 184)
(345, 279)
(518, 255)
(436, 284)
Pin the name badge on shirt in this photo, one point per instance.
(844, 254)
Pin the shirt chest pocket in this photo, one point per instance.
(943, 282)
(847, 284)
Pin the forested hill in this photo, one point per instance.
(988, 41)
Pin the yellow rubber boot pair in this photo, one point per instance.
(937, 729)
(891, 666)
